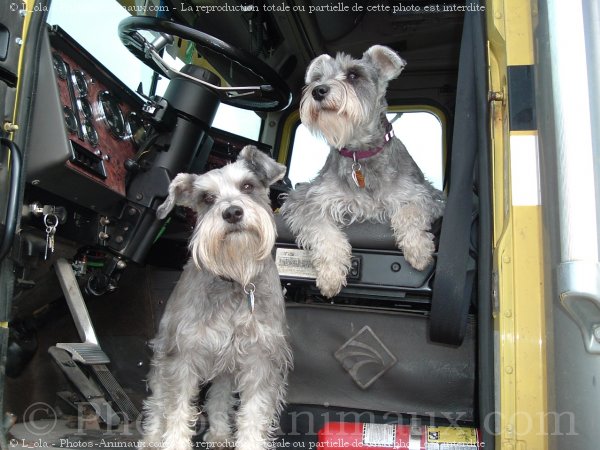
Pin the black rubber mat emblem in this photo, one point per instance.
(365, 357)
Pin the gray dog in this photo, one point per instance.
(368, 175)
(225, 321)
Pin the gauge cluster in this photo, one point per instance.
(103, 124)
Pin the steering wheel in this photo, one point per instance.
(257, 86)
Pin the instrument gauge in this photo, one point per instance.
(90, 133)
(59, 66)
(80, 82)
(86, 108)
(111, 114)
(70, 119)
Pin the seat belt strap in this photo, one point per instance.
(453, 284)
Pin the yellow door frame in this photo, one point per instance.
(24, 33)
(521, 396)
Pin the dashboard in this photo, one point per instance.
(104, 155)
(90, 134)
(87, 124)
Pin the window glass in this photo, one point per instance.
(420, 131)
(242, 122)
(94, 26)
(308, 156)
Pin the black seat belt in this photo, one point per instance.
(452, 286)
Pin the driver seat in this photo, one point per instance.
(368, 349)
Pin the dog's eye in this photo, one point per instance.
(209, 198)
(247, 187)
(352, 76)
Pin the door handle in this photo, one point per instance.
(579, 289)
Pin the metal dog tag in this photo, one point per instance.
(249, 290)
(357, 176)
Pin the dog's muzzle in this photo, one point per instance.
(320, 92)
(233, 214)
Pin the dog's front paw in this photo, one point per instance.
(330, 256)
(419, 251)
(331, 279)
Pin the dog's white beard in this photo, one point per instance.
(236, 255)
(336, 131)
(337, 117)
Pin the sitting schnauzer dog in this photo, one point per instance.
(225, 320)
(368, 175)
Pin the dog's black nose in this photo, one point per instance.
(320, 92)
(233, 214)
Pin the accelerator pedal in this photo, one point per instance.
(90, 391)
(89, 352)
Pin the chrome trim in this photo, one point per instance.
(81, 92)
(102, 115)
(579, 283)
(231, 92)
(70, 288)
(578, 273)
(576, 190)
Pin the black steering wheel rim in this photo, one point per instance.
(276, 99)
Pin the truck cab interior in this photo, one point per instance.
(119, 96)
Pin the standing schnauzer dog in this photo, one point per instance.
(225, 320)
(368, 175)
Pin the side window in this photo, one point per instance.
(420, 131)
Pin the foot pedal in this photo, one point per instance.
(115, 392)
(85, 352)
(92, 394)
(89, 352)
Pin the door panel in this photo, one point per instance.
(18, 19)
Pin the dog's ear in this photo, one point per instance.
(180, 193)
(316, 66)
(266, 168)
(387, 61)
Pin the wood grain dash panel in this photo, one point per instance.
(114, 150)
